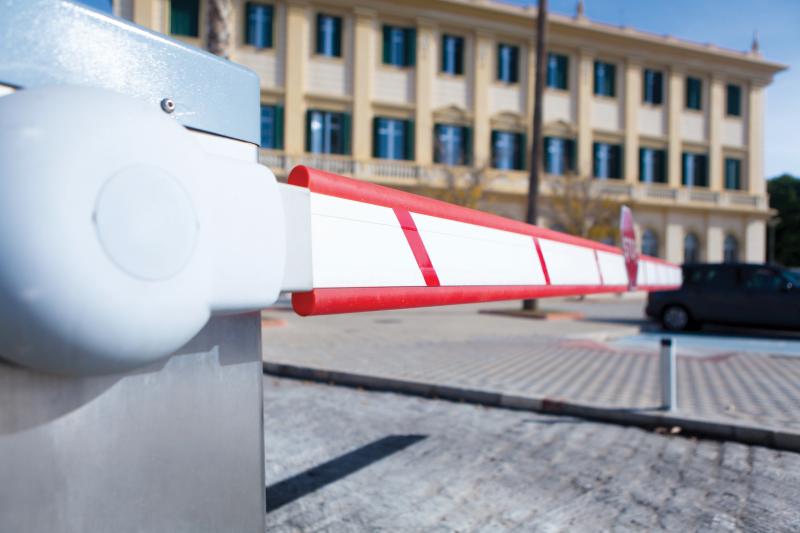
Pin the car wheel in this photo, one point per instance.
(676, 318)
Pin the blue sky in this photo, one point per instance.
(729, 24)
(726, 23)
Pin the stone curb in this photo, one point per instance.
(648, 419)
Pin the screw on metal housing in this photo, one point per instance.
(168, 105)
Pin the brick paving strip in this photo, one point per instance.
(745, 397)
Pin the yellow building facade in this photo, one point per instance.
(405, 93)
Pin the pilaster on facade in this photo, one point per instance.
(584, 111)
(363, 66)
(716, 116)
(633, 95)
(755, 236)
(481, 80)
(298, 38)
(714, 242)
(423, 118)
(674, 109)
(756, 184)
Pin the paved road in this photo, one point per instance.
(602, 360)
(342, 460)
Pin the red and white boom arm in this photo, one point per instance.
(120, 238)
(372, 247)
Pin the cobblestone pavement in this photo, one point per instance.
(341, 460)
(569, 360)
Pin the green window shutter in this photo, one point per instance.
(459, 55)
(522, 143)
(619, 163)
(319, 33)
(596, 89)
(337, 36)
(595, 151)
(248, 30)
(308, 130)
(345, 134)
(387, 39)
(410, 35)
(436, 151)
(546, 158)
(467, 145)
(515, 64)
(658, 93)
(563, 67)
(499, 60)
(376, 123)
(493, 148)
(278, 125)
(569, 145)
(611, 80)
(409, 140)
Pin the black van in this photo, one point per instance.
(729, 293)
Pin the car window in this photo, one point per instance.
(762, 279)
(711, 278)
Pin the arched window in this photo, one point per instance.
(650, 243)
(730, 249)
(691, 248)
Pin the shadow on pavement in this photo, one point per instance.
(295, 487)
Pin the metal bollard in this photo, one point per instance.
(669, 394)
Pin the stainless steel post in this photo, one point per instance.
(669, 394)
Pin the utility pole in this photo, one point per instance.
(536, 148)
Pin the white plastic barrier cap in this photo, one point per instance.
(120, 235)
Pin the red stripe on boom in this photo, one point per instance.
(353, 300)
(541, 260)
(417, 247)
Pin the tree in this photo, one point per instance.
(464, 187)
(784, 196)
(578, 206)
(218, 36)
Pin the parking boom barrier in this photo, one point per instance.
(374, 248)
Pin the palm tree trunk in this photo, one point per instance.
(536, 149)
(218, 36)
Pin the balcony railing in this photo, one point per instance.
(412, 174)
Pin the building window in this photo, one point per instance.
(557, 67)
(730, 249)
(691, 249)
(652, 165)
(329, 35)
(399, 46)
(733, 173)
(650, 243)
(327, 132)
(259, 25)
(272, 127)
(452, 54)
(507, 63)
(653, 87)
(604, 78)
(694, 93)
(183, 17)
(695, 170)
(559, 156)
(734, 100)
(607, 161)
(393, 138)
(452, 144)
(508, 150)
